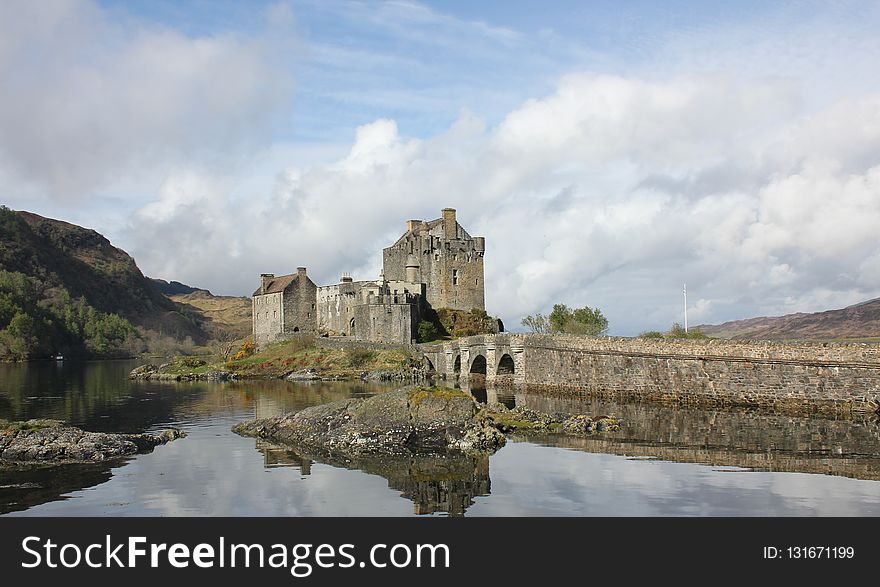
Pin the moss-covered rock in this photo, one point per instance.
(406, 420)
(523, 419)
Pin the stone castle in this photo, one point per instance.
(433, 265)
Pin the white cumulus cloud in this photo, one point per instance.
(609, 192)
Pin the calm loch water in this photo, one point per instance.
(665, 461)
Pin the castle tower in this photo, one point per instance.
(443, 256)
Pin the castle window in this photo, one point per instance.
(476, 282)
(455, 277)
(274, 314)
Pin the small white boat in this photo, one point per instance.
(59, 357)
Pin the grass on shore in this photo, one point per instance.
(281, 358)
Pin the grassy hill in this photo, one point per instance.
(64, 288)
(858, 322)
(223, 317)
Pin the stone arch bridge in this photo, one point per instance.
(498, 358)
(816, 376)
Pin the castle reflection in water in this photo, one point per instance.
(741, 438)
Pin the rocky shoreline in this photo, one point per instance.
(151, 372)
(165, 372)
(396, 422)
(50, 442)
(412, 421)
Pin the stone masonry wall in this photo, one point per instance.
(268, 317)
(819, 377)
(299, 306)
(336, 309)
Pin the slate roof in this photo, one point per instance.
(278, 284)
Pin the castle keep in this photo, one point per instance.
(435, 264)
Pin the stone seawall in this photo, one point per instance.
(816, 377)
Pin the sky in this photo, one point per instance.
(610, 152)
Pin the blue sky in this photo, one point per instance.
(609, 151)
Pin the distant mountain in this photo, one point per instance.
(63, 282)
(223, 317)
(174, 288)
(859, 321)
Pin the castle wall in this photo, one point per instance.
(299, 306)
(338, 304)
(268, 313)
(387, 322)
(335, 307)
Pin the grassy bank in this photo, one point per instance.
(282, 358)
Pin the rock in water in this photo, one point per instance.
(406, 420)
(50, 441)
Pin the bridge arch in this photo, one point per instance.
(478, 365)
(505, 365)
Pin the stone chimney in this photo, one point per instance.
(346, 278)
(411, 225)
(449, 229)
(265, 279)
(301, 271)
(480, 244)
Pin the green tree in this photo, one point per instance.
(678, 332)
(426, 331)
(651, 334)
(584, 320)
(23, 327)
(537, 323)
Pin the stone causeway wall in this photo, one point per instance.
(805, 376)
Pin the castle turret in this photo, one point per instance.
(412, 269)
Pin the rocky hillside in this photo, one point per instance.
(56, 269)
(860, 322)
(174, 288)
(223, 317)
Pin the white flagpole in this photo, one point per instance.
(685, 308)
